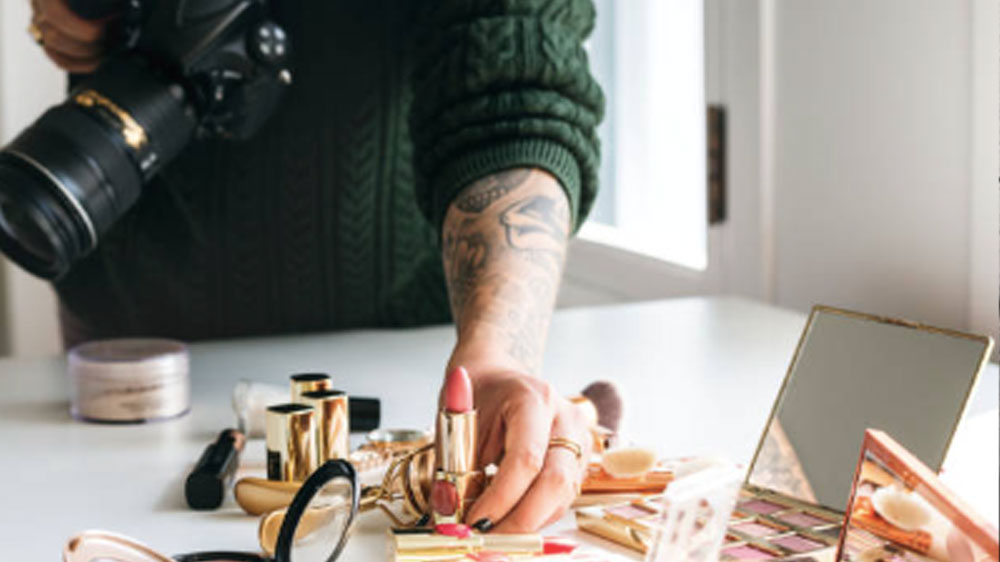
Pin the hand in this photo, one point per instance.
(535, 484)
(73, 43)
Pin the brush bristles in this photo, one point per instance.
(608, 402)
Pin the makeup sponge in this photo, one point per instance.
(632, 462)
(608, 403)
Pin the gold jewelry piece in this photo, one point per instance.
(36, 33)
(567, 444)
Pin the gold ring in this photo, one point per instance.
(568, 444)
(36, 33)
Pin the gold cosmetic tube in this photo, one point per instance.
(332, 423)
(309, 382)
(292, 453)
(455, 456)
(407, 547)
(257, 495)
(592, 520)
(456, 441)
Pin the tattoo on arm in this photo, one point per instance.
(504, 243)
(481, 194)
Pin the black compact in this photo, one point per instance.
(314, 529)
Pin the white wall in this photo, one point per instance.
(863, 161)
(29, 83)
(984, 264)
(873, 185)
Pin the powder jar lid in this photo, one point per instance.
(130, 380)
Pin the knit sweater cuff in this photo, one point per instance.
(497, 157)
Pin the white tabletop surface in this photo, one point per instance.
(698, 377)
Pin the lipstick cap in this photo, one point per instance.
(309, 382)
(292, 453)
(332, 426)
(366, 413)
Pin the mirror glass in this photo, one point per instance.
(322, 530)
(896, 516)
(852, 372)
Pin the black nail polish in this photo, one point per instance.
(424, 520)
(483, 525)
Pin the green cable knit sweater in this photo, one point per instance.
(329, 217)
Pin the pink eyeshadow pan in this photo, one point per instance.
(746, 552)
(798, 543)
(629, 512)
(756, 529)
(762, 507)
(737, 514)
(802, 519)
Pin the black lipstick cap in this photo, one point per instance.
(366, 413)
(206, 486)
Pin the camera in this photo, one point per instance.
(185, 69)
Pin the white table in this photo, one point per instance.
(699, 376)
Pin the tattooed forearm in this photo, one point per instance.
(466, 255)
(537, 224)
(504, 242)
(481, 194)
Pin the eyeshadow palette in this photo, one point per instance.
(764, 526)
(769, 526)
(687, 522)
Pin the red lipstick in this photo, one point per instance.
(455, 450)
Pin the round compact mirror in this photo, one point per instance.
(318, 520)
(314, 527)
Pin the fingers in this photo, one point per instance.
(73, 43)
(555, 487)
(69, 64)
(549, 495)
(54, 38)
(58, 14)
(525, 442)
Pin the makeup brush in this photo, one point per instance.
(608, 403)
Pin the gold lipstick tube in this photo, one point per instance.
(456, 448)
(407, 547)
(455, 456)
(309, 382)
(291, 442)
(332, 423)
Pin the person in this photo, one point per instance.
(479, 115)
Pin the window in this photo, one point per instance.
(648, 56)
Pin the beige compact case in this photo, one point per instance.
(130, 380)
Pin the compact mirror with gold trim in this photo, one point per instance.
(313, 528)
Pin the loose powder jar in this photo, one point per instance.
(129, 380)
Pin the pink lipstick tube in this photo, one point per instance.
(455, 477)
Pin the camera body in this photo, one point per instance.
(186, 69)
(227, 54)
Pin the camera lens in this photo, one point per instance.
(35, 227)
(67, 178)
(20, 223)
